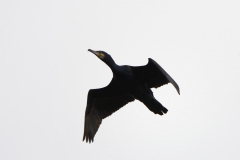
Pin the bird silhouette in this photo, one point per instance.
(128, 83)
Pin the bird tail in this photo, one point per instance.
(155, 106)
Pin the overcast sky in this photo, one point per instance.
(46, 72)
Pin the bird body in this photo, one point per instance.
(128, 83)
(123, 75)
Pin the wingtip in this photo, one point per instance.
(178, 90)
(88, 139)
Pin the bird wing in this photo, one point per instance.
(154, 75)
(102, 103)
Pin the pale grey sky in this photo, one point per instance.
(46, 73)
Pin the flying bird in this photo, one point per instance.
(128, 83)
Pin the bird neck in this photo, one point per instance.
(112, 65)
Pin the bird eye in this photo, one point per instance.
(101, 55)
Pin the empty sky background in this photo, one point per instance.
(46, 73)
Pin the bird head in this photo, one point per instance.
(103, 56)
(100, 54)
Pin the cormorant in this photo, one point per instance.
(128, 83)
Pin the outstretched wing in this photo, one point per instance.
(154, 75)
(102, 103)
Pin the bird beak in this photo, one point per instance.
(94, 52)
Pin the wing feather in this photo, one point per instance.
(154, 75)
(102, 103)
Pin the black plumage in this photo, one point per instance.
(128, 83)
